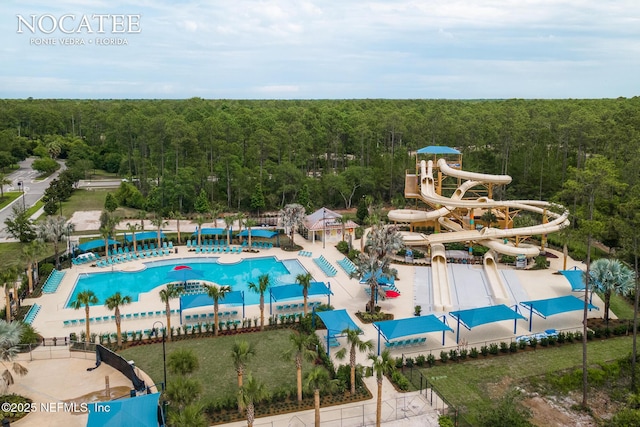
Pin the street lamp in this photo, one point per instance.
(324, 228)
(154, 331)
(20, 186)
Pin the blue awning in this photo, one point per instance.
(336, 321)
(551, 306)
(392, 329)
(140, 411)
(203, 300)
(575, 277)
(266, 234)
(144, 235)
(480, 316)
(94, 244)
(279, 293)
(382, 280)
(210, 232)
(437, 149)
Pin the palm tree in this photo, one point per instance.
(177, 215)
(301, 350)
(114, 302)
(141, 215)
(31, 253)
(304, 280)
(182, 391)
(251, 393)
(229, 220)
(200, 220)
(241, 352)
(489, 217)
(166, 295)
(217, 293)
(240, 217)
(190, 416)
(8, 276)
(159, 222)
(55, 230)
(317, 380)
(107, 229)
(264, 282)
(610, 276)
(249, 223)
(134, 228)
(292, 216)
(85, 298)
(183, 362)
(10, 334)
(357, 345)
(382, 365)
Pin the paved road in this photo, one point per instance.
(33, 191)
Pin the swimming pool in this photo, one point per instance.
(237, 275)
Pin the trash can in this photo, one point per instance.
(176, 250)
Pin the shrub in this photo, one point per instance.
(400, 380)
(420, 360)
(445, 421)
(409, 362)
(431, 359)
(544, 341)
(561, 337)
(473, 353)
(533, 342)
(522, 344)
(513, 347)
(453, 355)
(444, 356)
(343, 247)
(463, 353)
(504, 348)
(398, 363)
(493, 348)
(484, 350)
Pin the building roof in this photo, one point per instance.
(324, 219)
(437, 149)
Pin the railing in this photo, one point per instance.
(431, 393)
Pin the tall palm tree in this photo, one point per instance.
(190, 416)
(10, 333)
(31, 252)
(177, 215)
(114, 302)
(249, 394)
(229, 220)
(317, 380)
(382, 365)
(240, 217)
(356, 345)
(264, 283)
(217, 293)
(170, 292)
(108, 224)
(8, 276)
(304, 280)
(200, 220)
(85, 298)
(159, 222)
(55, 230)
(248, 223)
(301, 349)
(610, 276)
(141, 215)
(241, 352)
(133, 229)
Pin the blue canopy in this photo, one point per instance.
(93, 244)
(184, 274)
(551, 306)
(575, 276)
(210, 232)
(382, 280)
(437, 149)
(204, 300)
(284, 292)
(479, 316)
(267, 234)
(144, 235)
(392, 329)
(336, 321)
(140, 411)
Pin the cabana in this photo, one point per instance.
(94, 244)
(575, 276)
(139, 411)
(479, 316)
(143, 235)
(204, 300)
(261, 233)
(548, 307)
(336, 321)
(392, 329)
(286, 292)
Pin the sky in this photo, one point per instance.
(320, 49)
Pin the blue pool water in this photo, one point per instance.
(238, 276)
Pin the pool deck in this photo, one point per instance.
(347, 294)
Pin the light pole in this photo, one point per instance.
(324, 228)
(21, 187)
(154, 331)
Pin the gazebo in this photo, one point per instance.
(328, 226)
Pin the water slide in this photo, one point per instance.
(490, 237)
(440, 279)
(496, 284)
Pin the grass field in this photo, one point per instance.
(216, 372)
(9, 196)
(468, 385)
(621, 307)
(84, 200)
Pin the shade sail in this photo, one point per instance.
(266, 234)
(140, 411)
(437, 149)
(279, 293)
(182, 275)
(94, 244)
(382, 280)
(575, 277)
(551, 306)
(204, 300)
(144, 235)
(479, 316)
(210, 232)
(392, 329)
(336, 321)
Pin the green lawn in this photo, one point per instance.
(9, 196)
(84, 200)
(467, 385)
(216, 372)
(621, 307)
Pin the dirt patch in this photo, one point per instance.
(99, 396)
(86, 220)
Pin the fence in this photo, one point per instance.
(57, 348)
(431, 394)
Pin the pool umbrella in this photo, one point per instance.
(181, 267)
(392, 294)
(184, 274)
